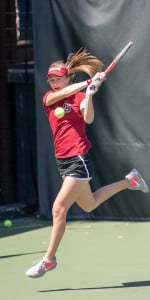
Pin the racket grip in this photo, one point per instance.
(92, 87)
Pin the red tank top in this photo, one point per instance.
(69, 132)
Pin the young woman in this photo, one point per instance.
(72, 146)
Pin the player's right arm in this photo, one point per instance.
(65, 92)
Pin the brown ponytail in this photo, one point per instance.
(83, 61)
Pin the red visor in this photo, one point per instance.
(59, 71)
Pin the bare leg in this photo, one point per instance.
(80, 191)
(70, 190)
(88, 201)
(108, 191)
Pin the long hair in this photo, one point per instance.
(81, 61)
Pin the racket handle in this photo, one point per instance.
(92, 87)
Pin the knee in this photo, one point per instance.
(58, 211)
(88, 209)
(90, 205)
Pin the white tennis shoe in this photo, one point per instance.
(41, 267)
(138, 183)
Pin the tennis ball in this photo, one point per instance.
(7, 223)
(59, 112)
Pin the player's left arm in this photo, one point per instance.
(86, 105)
(87, 109)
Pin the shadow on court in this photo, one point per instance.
(124, 285)
(20, 254)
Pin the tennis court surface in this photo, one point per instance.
(96, 260)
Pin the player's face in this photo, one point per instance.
(57, 83)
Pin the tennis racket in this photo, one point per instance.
(115, 61)
(118, 57)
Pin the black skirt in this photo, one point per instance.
(78, 167)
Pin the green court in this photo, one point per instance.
(96, 260)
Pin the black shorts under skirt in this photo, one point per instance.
(78, 167)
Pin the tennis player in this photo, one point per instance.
(72, 147)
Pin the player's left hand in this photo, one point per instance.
(97, 81)
(98, 78)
